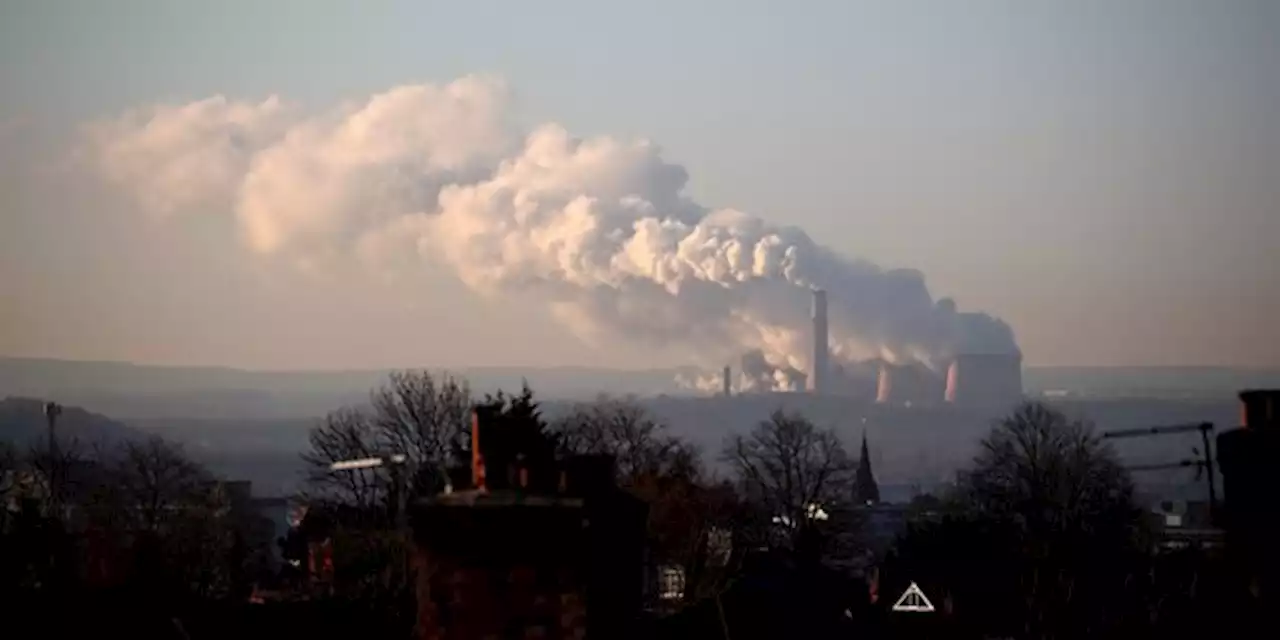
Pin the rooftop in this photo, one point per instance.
(479, 498)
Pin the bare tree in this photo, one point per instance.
(786, 467)
(1067, 500)
(55, 471)
(692, 516)
(158, 484)
(1040, 538)
(345, 434)
(1054, 473)
(10, 483)
(174, 526)
(622, 428)
(426, 417)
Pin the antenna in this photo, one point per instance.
(1203, 462)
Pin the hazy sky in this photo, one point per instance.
(1103, 175)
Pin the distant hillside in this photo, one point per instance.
(1148, 382)
(22, 422)
(139, 391)
(128, 392)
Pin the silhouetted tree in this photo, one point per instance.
(345, 434)
(185, 534)
(427, 418)
(1071, 504)
(692, 515)
(54, 470)
(787, 468)
(158, 484)
(1040, 536)
(639, 444)
(424, 417)
(10, 480)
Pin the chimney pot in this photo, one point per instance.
(1260, 408)
(477, 460)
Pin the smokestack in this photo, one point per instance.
(818, 377)
(884, 388)
(727, 381)
(989, 380)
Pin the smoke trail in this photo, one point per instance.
(599, 227)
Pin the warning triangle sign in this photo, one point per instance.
(913, 599)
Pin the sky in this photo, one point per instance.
(1103, 176)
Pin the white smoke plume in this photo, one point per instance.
(600, 227)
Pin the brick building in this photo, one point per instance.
(538, 548)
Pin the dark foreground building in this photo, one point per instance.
(1250, 460)
(538, 549)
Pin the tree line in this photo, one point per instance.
(1039, 536)
(137, 517)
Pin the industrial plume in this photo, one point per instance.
(598, 227)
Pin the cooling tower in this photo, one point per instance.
(912, 384)
(985, 380)
(821, 366)
(884, 386)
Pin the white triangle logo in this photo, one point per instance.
(913, 599)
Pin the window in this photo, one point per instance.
(670, 582)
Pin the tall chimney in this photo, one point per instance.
(818, 377)
(727, 381)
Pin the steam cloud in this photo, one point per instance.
(599, 227)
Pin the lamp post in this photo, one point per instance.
(396, 462)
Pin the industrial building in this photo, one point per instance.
(971, 380)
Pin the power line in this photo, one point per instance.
(1202, 463)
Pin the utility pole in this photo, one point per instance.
(1203, 463)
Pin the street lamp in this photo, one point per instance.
(367, 463)
(396, 462)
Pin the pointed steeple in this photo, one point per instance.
(865, 489)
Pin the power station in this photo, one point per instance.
(970, 380)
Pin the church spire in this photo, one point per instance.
(865, 490)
